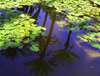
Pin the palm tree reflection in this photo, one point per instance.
(12, 53)
(41, 40)
(41, 64)
(65, 55)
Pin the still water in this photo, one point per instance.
(61, 53)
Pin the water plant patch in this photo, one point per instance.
(17, 29)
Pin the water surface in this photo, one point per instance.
(61, 54)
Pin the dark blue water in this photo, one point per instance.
(61, 54)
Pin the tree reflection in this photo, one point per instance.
(59, 15)
(41, 64)
(31, 9)
(45, 19)
(42, 40)
(37, 7)
(35, 16)
(12, 53)
(65, 55)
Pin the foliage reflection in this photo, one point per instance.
(65, 55)
(41, 64)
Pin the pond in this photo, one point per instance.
(60, 52)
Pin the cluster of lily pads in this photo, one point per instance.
(83, 13)
(17, 29)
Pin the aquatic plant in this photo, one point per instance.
(79, 12)
(82, 15)
(17, 29)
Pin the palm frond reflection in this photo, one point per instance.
(65, 55)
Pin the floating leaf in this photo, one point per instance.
(44, 34)
(34, 48)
